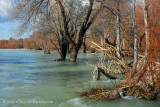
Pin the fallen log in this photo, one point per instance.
(104, 73)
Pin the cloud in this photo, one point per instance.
(5, 8)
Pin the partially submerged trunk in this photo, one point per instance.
(46, 49)
(63, 52)
(74, 53)
(63, 45)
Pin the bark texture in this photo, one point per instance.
(135, 36)
(118, 30)
(146, 25)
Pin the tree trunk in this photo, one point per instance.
(63, 45)
(140, 42)
(69, 49)
(63, 52)
(84, 45)
(118, 30)
(46, 50)
(102, 40)
(146, 25)
(135, 36)
(74, 53)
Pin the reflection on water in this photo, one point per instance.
(31, 75)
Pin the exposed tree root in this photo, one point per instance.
(60, 59)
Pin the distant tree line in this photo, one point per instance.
(11, 43)
(35, 41)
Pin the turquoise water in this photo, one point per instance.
(28, 78)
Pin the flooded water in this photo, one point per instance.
(28, 78)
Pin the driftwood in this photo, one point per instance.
(140, 83)
(100, 70)
(111, 94)
(98, 74)
(102, 93)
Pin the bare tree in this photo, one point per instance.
(70, 21)
(108, 24)
(43, 26)
(34, 14)
(37, 15)
(82, 22)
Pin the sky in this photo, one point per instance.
(8, 25)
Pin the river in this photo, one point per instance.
(28, 78)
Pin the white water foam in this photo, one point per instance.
(126, 97)
(75, 102)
